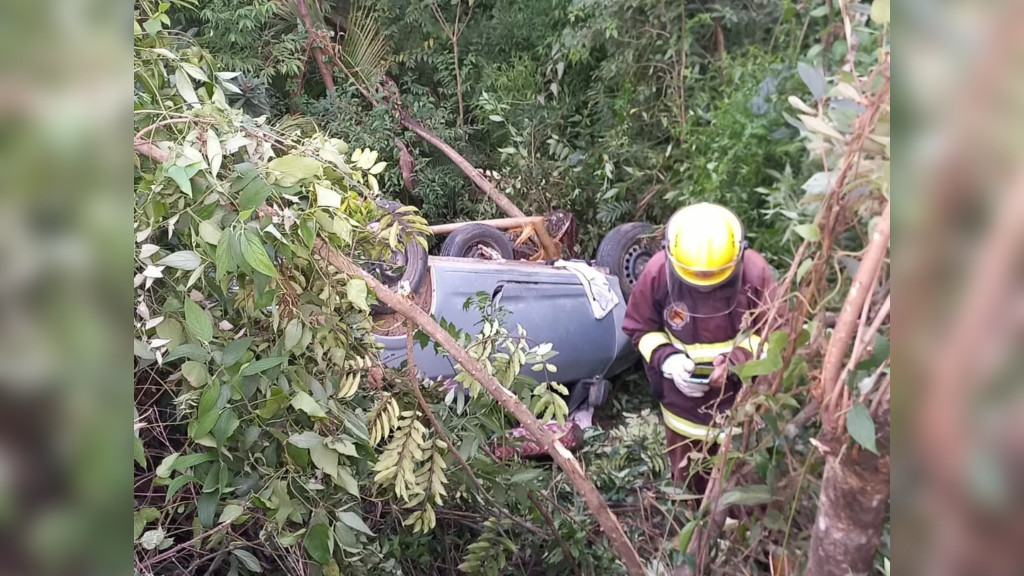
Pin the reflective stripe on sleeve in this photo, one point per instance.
(649, 343)
(684, 427)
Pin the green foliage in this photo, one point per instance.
(257, 379)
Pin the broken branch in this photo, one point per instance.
(563, 458)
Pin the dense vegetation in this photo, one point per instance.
(266, 428)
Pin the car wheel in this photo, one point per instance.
(625, 252)
(408, 266)
(477, 241)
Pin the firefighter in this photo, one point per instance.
(688, 317)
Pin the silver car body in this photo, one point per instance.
(549, 303)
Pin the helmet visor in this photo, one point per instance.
(706, 277)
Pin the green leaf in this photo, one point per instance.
(153, 26)
(181, 178)
(343, 229)
(684, 536)
(190, 351)
(319, 543)
(230, 513)
(261, 365)
(214, 153)
(292, 333)
(166, 465)
(307, 230)
(332, 568)
(274, 403)
(224, 259)
(142, 517)
(182, 260)
(248, 560)
(194, 71)
(879, 353)
(813, 77)
(207, 506)
(880, 11)
(256, 255)
(356, 293)
(306, 439)
(306, 403)
(198, 321)
(354, 521)
(254, 194)
(326, 197)
(808, 232)
(861, 427)
(207, 414)
(210, 232)
(291, 169)
(195, 373)
(347, 481)
(234, 351)
(176, 485)
(226, 425)
(187, 461)
(770, 363)
(170, 329)
(184, 86)
(140, 452)
(747, 496)
(325, 459)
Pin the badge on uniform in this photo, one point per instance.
(677, 315)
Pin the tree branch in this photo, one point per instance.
(318, 53)
(563, 458)
(846, 324)
(410, 123)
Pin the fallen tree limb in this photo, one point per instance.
(468, 169)
(563, 458)
(410, 123)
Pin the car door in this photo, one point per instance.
(553, 307)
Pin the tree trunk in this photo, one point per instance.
(852, 506)
(318, 54)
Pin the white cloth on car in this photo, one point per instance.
(600, 294)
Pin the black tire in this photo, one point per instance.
(411, 264)
(463, 242)
(625, 252)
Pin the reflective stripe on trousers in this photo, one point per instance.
(684, 427)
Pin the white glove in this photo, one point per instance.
(679, 368)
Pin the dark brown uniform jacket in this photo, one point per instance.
(645, 313)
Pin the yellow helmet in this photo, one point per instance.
(705, 243)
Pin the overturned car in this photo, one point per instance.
(578, 306)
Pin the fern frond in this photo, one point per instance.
(365, 50)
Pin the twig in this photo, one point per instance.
(554, 532)
(866, 336)
(184, 545)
